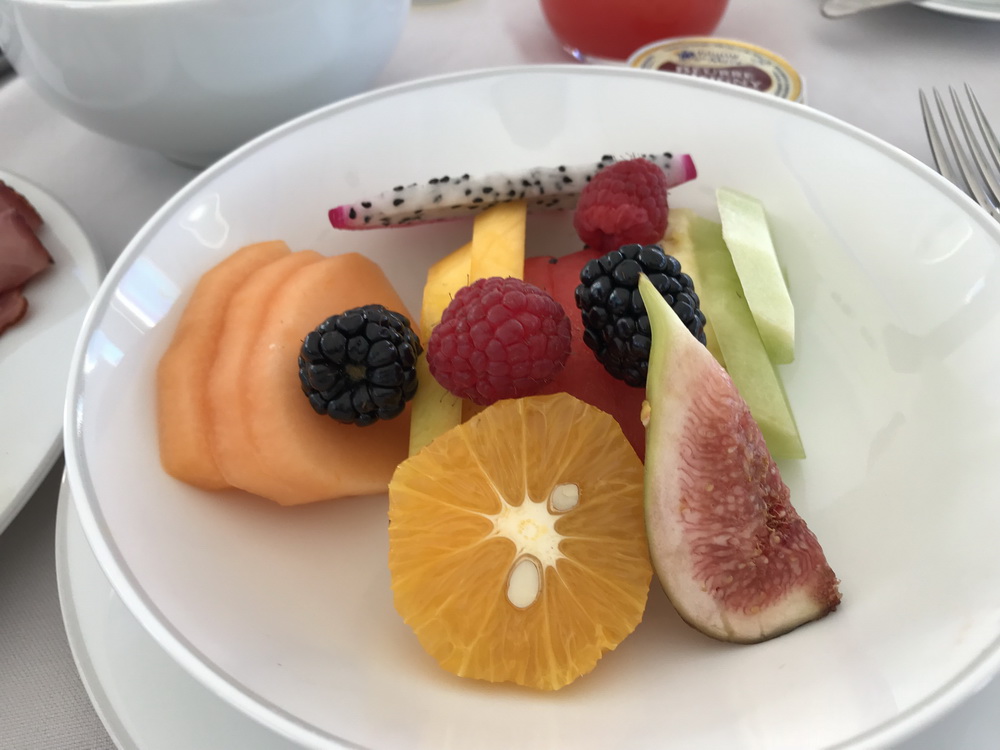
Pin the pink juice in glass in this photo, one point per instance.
(614, 29)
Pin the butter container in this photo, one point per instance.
(726, 60)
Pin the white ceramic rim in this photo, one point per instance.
(902, 726)
(99, 698)
(964, 9)
(132, 717)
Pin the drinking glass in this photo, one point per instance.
(611, 30)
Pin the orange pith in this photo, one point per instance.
(466, 510)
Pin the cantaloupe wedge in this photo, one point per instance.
(302, 456)
(434, 410)
(227, 402)
(182, 374)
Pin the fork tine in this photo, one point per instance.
(975, 150)
(937, 145)
(989, 138)
(961, 159)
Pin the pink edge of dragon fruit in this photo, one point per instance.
(340, 218)
(686, 171)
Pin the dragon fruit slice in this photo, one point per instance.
(452, 197)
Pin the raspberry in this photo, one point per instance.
(624, 203)
(499, 338)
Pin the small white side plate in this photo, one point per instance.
(35, 353)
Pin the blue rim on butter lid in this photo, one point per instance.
(726, 60)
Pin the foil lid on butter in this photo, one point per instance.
(725, 60)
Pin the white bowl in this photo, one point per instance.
(193, 79)
(287, 613)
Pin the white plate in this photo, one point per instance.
(144, 698)
(147, 702)
(984, 10)
(287, 614)
(35, 353)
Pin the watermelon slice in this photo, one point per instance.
(583, 376)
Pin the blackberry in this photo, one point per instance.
(615, 324)
(360, 366)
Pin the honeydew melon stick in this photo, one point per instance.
(434, 410)
(677, 242)
(745, 231)
(746, 358)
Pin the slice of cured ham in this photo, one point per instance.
(13, 306)
(11, 199)
(22, 255)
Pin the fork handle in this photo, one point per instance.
(843, 8)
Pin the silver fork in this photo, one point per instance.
(978, 171)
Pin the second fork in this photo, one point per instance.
(976, 164)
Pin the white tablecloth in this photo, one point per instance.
(865, 70)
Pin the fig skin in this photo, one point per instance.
(729, 549)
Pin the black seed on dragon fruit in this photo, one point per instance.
(452, 197)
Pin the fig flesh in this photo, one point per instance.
(732, 554)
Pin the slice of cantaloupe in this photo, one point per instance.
(182, 373)
(304, 456)
(226, 401)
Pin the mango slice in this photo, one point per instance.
(498, 236)
(434, 410)
(498, 241)
(497, 249)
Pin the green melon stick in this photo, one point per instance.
(745, 231)
(746, 358)
(679, 243)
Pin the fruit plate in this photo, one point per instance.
(287, 614)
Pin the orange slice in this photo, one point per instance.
(517, 545)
